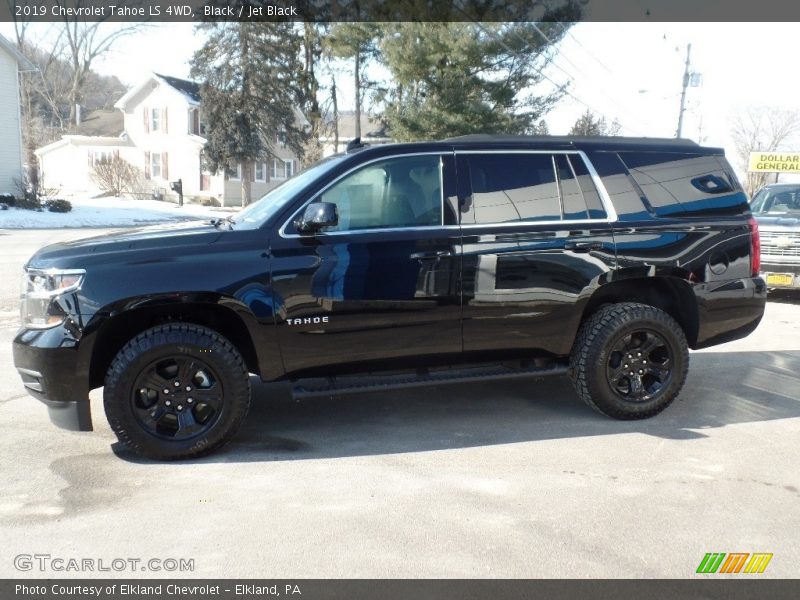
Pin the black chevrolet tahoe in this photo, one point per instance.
(403, 265)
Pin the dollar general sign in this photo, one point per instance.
(771, 162)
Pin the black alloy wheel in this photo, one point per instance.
(629, 360)
(176, 391)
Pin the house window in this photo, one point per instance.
(261, 171)
(281, 139)
(155, 165)
(236, 173)
(278, 170)
(288, 168)
(155, 119)
(195, 126)
(101, 156)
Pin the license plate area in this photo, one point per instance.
(784, 279)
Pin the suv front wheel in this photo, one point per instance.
(176, 391)
(629, 360)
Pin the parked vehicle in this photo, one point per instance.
(403, 265)
(776, 207)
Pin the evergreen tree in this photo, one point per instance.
(359, 42)
(587, 125)
(248, 73)
(459, 78)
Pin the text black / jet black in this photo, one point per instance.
(403, 265)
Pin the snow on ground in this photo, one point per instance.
(109, 212)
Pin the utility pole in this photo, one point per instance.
(683, 91)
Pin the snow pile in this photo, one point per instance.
(109, 212)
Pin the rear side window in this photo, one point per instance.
(676, 183)
(508, 188)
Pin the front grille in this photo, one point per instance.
(780, 243)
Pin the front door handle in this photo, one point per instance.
(583, 246)
(430, 255)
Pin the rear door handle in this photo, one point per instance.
(583, 246)
(430, 255)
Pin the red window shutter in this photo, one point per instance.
(147, 165)
(164, 166)
(146, 113)
(165, 120)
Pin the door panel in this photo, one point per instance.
(369, 295)
(525, 276)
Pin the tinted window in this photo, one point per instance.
(679, 182)
(571, 193)
(512, 187)
(590, 195)
(396, 192)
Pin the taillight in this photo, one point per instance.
(755, 247)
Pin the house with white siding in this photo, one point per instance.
(12, 63)
(162, 134)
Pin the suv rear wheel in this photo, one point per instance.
(176, 391)
(629, 360)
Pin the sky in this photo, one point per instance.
(629, 71)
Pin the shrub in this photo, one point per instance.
(117, 176)
(207, 201)
(58, 205)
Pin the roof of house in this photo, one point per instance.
(188, 89)
(185, 86)
(24, 63)
(102, 122)
(93, 141)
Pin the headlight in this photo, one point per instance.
(40, 288)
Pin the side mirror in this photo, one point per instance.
(316, 216)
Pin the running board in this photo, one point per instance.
(310, 388)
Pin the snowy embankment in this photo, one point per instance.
(109, 212)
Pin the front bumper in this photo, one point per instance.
(50, 365)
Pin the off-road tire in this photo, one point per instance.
(592, 350)
(186, 342)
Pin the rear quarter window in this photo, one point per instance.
(684, 184)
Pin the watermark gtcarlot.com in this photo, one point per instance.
(71, 564)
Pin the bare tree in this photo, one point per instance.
(762, 129)
(85, 43)
(116, 176)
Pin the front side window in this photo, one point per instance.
(397, 192)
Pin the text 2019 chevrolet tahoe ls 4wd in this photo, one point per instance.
(402, 265)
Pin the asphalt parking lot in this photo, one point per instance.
(482, 480)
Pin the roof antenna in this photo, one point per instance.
(354, 144)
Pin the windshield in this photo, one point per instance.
(275, 200)
(782, 201)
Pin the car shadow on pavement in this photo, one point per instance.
(784, 297)
(723, 388)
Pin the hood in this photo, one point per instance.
(777, 222)
(170, 236)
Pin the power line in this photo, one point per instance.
(564, 28)
(561, 87)
(572, 77)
